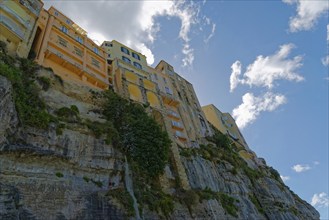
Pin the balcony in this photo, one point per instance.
(64, 60)
(33, 6)
(232, 135)
(173, 114)
(169, 99)
(180, 136)
(16, 16)
(69, 63)
(97, 76)
(11, 25)
(177, 125)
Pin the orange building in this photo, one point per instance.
(64, 46)
(17, 24)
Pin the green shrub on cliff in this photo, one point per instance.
(31, 109)
(141, 138)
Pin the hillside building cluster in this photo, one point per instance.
(57, 42)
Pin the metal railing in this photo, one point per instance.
(17, 16)
(176, 124)
(12, 26)
(33, 5)
(173, 113)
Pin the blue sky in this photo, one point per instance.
(272, 55)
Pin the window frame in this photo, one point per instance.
(64, 29)
(96, 50)
(126, 59)
(137, 65)
(135, 55)
(125, 50)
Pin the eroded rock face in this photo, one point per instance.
(8, 114)
(275, 199)
(47, 175)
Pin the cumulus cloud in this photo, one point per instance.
(320, 200)
(308, 12)
(264, 71)
(234, 78)
(247, 112)
(133, 22)
(285, 178)
(301, 168)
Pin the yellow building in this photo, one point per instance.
(64, 46)
(130, 57)
(225, 123)
(170, 107)
(18, 24)
(179, 93)
(130, 75)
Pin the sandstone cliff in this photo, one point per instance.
(65, 171)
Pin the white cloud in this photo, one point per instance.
(308, 12)
(325, 60)
(301, 168)
(320, 200)
(264, 71)
(285, 178)
(316, 163)
(234, 78)
(133, 22)
(213, 29)
(247, 112)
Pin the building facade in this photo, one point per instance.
(18, 24)
(179, 94)
(225, 123)
(64, 46)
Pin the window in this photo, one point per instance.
(125, 50)
(136, 56)
(168, 91)
(78, 52)
(95, 49)
(127, 60)
(156, 76)
(79, 39)
(68, 21)
(56, 13)
(109, 55)
(202, 121)
(95, 62)
(176, 124)
(137, 65)
(179, 134)
(62, 42)
(164, 79)
(64, 29)
(108, 45)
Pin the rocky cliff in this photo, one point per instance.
(66, 171)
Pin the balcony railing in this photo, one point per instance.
(173, 113)
(79, 66)
(34, 6)
(177, 125)
(179, 134)
(12, 26)
(17, 16)
(90, 72)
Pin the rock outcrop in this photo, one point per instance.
(47, 174)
